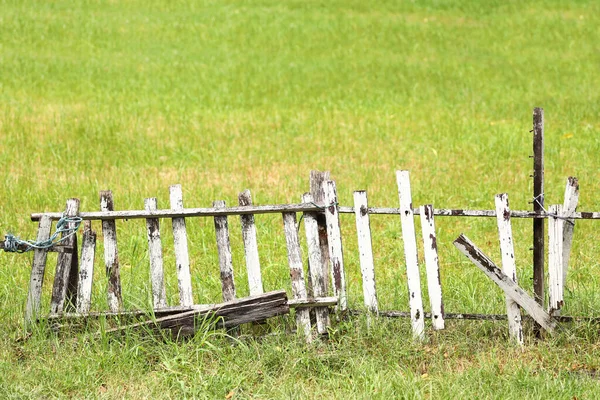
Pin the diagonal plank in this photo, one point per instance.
(505, 283)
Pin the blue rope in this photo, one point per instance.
(14, 245)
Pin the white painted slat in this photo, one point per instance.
(509, 266)
(336, 253)
(38, 270)
(64, 290)
(86, 269)
(555, 260)
(296, 273)
(224, 250)
(159, 296)
(250, 246)
(434, 283)
(569, 208)
(111, 254)
(365, 250)
(410, 254)
(317, 275)
(483, 262)
(182, 258)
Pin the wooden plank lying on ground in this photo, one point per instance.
(223, 315)
(434, 283)
(182, 258)
(509, 287)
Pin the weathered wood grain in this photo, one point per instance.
(317, 178)
(86, 271)
(250, 246)
(224, 250)
(157, 280)
(555, 261)
(38, 269)
(434, 282)
(538, 205)
(365, 250)
(64, 290)
(317, 275)
(111, 254)
(182, 258)
(569, 207)
(509, 266)
(410, 254)
(336, 252)
(483, 262)
(296, 272)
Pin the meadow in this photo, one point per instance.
(221, 96)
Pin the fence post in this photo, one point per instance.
(538, 206)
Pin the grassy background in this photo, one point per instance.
(223, 96)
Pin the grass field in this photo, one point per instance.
(222, 96)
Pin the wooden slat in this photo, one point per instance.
(159, 296)
(365, 250)
(569, 207)
(317, 275)
(509, 266)
(318, 197)
(86, 271)
(555, 261)
(410, 253)
(538, 205)
(434, 283)
(336, 253)
(296, 272)
(224, 249)
(64, 290)
(182, 258)
(38, 270)
(250, 246)
(483, 262)
(111, 254)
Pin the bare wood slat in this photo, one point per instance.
(182, 258)
(86, 271)
(318, 196)
(569, 207)
(111, 254)
(509, 266)
(365, 249)
(64, 290)
(296, 272)
(250, 246)
(37, 272)
(224, 249)
(410, 253)
(483, 262)
(159, 296)
(555, 261)
(336, 253)
(434, 283)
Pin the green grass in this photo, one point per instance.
(222, 96)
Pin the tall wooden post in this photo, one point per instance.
(538, 205)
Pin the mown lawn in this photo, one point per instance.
(222, 96)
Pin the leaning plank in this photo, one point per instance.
(509, 267)
(159, 296)
(224, 249)
(318, 197)
(296, 272)
(336, 253)
(569, 207)
(86, 271)
(483, 262)
(64, 290)
(37, 272)
(250, 246)
(365, 250)
(182, 258)
(410, 254)
(317, 275)
(227, 314)
(555, 260)
(434, 283)
(111, 254)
